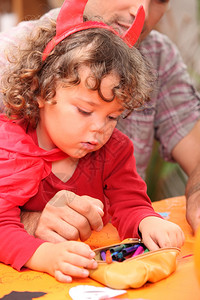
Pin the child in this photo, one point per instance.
(63, 103)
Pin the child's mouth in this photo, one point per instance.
(89, 146)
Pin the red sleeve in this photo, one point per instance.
(16, 245)
(22, 167)
(125, 189)
(19, 180)
(20, 176)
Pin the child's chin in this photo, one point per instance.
(79, 155)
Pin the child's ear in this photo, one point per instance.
(40, 101)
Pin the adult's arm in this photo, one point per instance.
(177, 125)
(66, 216)
(187, 154)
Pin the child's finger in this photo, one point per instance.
(79, 248)
(182, 237)
(150, 243)
(167, 241)
(79, 261)
(62, 277)
(177, 239)
(68, 270)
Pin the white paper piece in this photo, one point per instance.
(89, 292)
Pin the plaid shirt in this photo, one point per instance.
(174, 106)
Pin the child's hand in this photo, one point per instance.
(63, 260)
(159, 233)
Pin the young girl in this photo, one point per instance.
(59, 135)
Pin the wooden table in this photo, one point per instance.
(181, 285)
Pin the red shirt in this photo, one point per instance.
(26, 180)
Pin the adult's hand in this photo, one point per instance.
(192, 193)
(67, 216)
(193, 211)
(187, 154)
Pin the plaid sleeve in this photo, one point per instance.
(177, 103)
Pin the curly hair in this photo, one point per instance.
(104, 52)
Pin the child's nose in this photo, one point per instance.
(98, 126)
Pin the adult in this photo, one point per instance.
(171, 117)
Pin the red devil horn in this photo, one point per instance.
(132, 34)
(71, 14)
(70, 20)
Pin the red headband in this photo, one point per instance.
(70, 20)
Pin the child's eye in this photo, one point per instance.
(84, 112)
(114, 118)
(162, 1)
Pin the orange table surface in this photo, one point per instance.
(181, 285)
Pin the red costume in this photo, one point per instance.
(26, 181)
